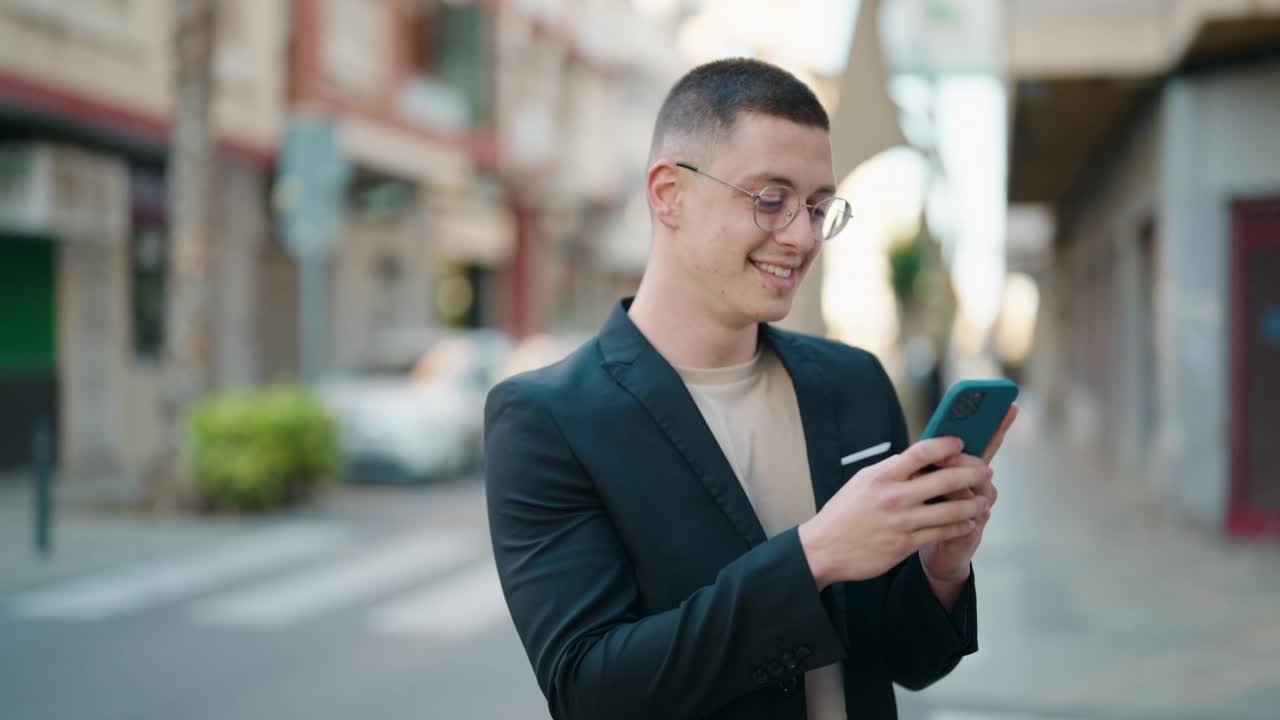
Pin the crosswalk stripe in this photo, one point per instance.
(114, 593)
(298, 597)
(974, 715)
(462, 605)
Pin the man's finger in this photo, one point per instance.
(939, 483)
(947, 513)
(963, 460)
(925, 536)
(994, 446)
(987, 489)
(921, 455)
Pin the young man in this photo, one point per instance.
(698, 515)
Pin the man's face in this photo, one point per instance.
(744, 274)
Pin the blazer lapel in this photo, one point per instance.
(643, 372)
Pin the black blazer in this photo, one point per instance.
(638, 576)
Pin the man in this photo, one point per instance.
(698, 515)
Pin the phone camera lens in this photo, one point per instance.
(966, 405)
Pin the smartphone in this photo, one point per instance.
(972, 410)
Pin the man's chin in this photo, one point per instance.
(774, 310)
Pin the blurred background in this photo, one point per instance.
(261, 261)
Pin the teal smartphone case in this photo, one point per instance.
(972, 410)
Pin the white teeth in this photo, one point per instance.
(775, 270)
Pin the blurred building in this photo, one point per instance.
(1148, 131)
(497, 150)
(497, 145)
(579, 83)
(86, 98)
(409, 87)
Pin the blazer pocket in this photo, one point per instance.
(865, 453)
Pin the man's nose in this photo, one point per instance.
(797, 235)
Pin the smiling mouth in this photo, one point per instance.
(775, 270)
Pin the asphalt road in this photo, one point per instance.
(376, 605)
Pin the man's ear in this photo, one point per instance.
(663, 189)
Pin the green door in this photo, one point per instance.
(28, 344)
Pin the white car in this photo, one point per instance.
(423, 423)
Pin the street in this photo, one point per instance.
(383, 603)
(380, 604)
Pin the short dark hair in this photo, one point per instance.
(705, 103)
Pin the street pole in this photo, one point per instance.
(313, 312)
(310, 198)
(42, 462)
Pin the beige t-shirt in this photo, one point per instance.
(753, 413)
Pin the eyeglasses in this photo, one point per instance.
(778, 205)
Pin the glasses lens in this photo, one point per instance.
(829, 217)
(775, 207)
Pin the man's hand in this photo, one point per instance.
(880, 517)
(947, 561)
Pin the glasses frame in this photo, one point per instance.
(791, 214)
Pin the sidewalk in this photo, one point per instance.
(94, 528)
(1093, 603)
(98, 523)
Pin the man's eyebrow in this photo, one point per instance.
(783, 180)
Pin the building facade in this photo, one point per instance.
(493, 146)
(86, 102)
(496, 145)
(1156, 151)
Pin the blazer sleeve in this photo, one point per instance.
(575, 602)
(924, 642)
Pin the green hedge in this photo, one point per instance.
(260, 449)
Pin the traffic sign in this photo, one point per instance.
(310, 194)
